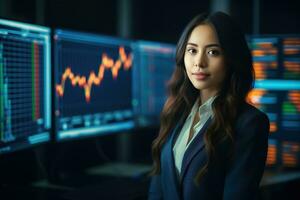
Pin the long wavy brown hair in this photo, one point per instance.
(232, 94)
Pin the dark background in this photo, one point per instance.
(155, 20)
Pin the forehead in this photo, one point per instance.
(203, 34)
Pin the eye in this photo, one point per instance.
(214, 52)
(191, 50)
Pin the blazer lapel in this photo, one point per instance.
(168, 159)
(195, 147)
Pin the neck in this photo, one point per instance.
(205, 95)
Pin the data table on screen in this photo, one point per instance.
(25, 85)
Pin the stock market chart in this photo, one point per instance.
(93, 84)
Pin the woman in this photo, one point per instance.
(212, 144)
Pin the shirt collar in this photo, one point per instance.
(205, 108)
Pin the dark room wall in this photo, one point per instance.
(151, 20)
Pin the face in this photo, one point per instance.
(204, 60)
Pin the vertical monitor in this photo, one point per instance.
(25, 85)
(276, 60)
(154, 65)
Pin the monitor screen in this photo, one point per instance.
(281, 106)
(276, 56)
(154, 65)
(272, 156)
(276, 60)
(290, 156)
(93, 84)
(25, 85)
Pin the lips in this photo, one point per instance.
(200, 75)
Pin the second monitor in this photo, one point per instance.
(93, 84)
(154, 64)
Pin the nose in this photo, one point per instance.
(200, 60)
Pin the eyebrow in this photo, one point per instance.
(206, 46)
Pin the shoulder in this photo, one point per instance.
(251, 120)
(248, 112)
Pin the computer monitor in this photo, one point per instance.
(276, 57)
(276, 60)
(93, 84)
(154, 65)
(25, 85)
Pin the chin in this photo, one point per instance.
(200, 86)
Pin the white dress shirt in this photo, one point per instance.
(181, 145)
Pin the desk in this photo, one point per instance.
(271, 178)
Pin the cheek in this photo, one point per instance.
(187, 67)
(187, 62)
(219, 70)
(221, 73)
(221, 77)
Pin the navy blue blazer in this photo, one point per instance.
(235, 179)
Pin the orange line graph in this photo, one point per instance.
(95, 79)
